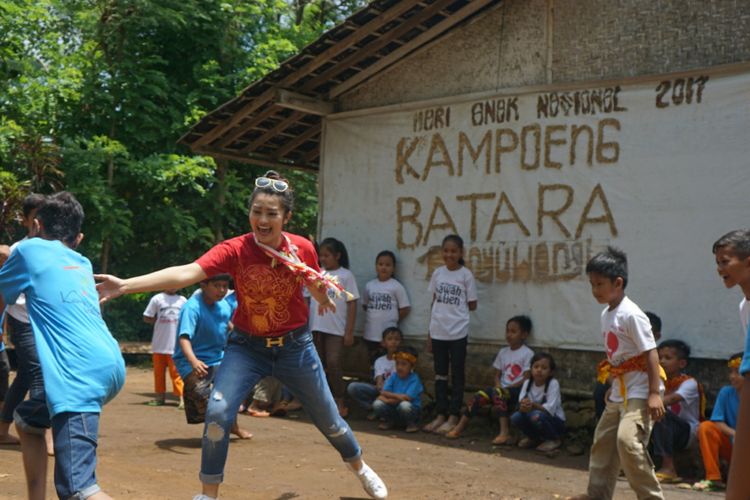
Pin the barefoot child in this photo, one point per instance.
(454, 295)
(512, 365)
(540, 414)
(163, 311)
(365, 394)
(399, 401)
(83, 367)
(203, 331)
(732, 253)
(717, 434)
(622, 434)
(684, 402)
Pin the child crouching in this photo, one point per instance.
(399, 401)
(540, 414)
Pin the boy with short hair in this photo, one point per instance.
(716, 434)
(202, 335)
(83, 367)
(399, 401)
(621, 436)
(732, 253)
(684, 401)
(365, 394)
(163, 311)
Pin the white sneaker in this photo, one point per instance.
(203, 497)
(371, 482)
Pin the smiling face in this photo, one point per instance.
(267, 219)
(606, 290)
(541, 371)
(384, 267)
(733, 270)
(452, 253)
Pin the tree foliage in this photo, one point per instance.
(95, 93)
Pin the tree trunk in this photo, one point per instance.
(221, 199)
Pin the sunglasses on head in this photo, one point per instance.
(277, 185)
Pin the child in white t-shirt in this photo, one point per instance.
(163, 311)
(540, 414)
(683, 398)
(385, 303)
(454, 295)
(622, 434)
(334, 330)
(365, 394)
(512, 365)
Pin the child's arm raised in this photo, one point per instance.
(655, 404)
(110, 287)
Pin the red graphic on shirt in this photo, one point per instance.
(265, 293)
(612, 344)
(676, 408)
(514, 371)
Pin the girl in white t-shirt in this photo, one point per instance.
(454, 294)
(333, 331)
(385, 303)
(540, 414)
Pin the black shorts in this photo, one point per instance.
(195, 395)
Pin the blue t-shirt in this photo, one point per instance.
(726, 407)
(206, 327)
(411, 386)
(81, 362)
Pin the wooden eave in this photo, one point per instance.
(277, 120)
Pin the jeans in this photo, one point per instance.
(403, 413)
(449, 354)
(75, 436)
(363, 393)
(29, 375)
(297, 365)
(669, 434)
(538, 425)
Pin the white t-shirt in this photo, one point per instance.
(513, 363)
(383, 299)
(334, 323)
(166, 309)
(384, 367)
(18, 310)
(453, 290)
(535, 393)
(689, 408)
(744, 314)
(627, 333)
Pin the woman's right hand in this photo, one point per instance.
(109, 287)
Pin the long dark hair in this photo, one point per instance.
(336, 247)
(459, 243)
(552, 366)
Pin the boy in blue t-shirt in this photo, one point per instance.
(399, 401)
(205, 322)
(732, 253)
(82, 365)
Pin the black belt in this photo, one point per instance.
(278, 341)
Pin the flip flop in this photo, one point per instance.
(258, 413)
(668, 478)
(709, 485)
(502, 440)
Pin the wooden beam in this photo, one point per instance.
(261, 161)
(243, 129)
(299, 140)
(283, 124)
(444, 25)
(294, 100)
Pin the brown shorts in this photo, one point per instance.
(195, 395)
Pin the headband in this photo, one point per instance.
(734, 363)
(406, 356)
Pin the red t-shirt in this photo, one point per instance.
(269, 299)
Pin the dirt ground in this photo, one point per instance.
(151, 453)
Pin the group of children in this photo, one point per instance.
(649, 391)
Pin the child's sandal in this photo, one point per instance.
(709, 485)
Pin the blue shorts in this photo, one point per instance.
(75, 436)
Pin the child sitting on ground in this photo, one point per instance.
(362, 392)
(512, 366)
(684, 401)
(540, 414)
(399, 401)
(716, 435)
(82, 364)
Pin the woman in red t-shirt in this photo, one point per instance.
(271, 337)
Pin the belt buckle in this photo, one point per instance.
(274, 341)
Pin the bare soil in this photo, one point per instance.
(152, 453)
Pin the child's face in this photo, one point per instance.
(514, 335)
(403, 368)
(391, 342)
(214, 291)
(452, 253)
(735, 379)
(267, 219)
(605, 290)
(384, 267)
(732, 269)
(671, 362)
(328, 259)
(541, 371)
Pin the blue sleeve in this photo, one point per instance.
(720, 407)
(14, 277)
(745, 366)
(388, 386)
(188, 322)
(415, 388)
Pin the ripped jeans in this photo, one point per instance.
(298, 367)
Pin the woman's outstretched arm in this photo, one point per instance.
(111, 287)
